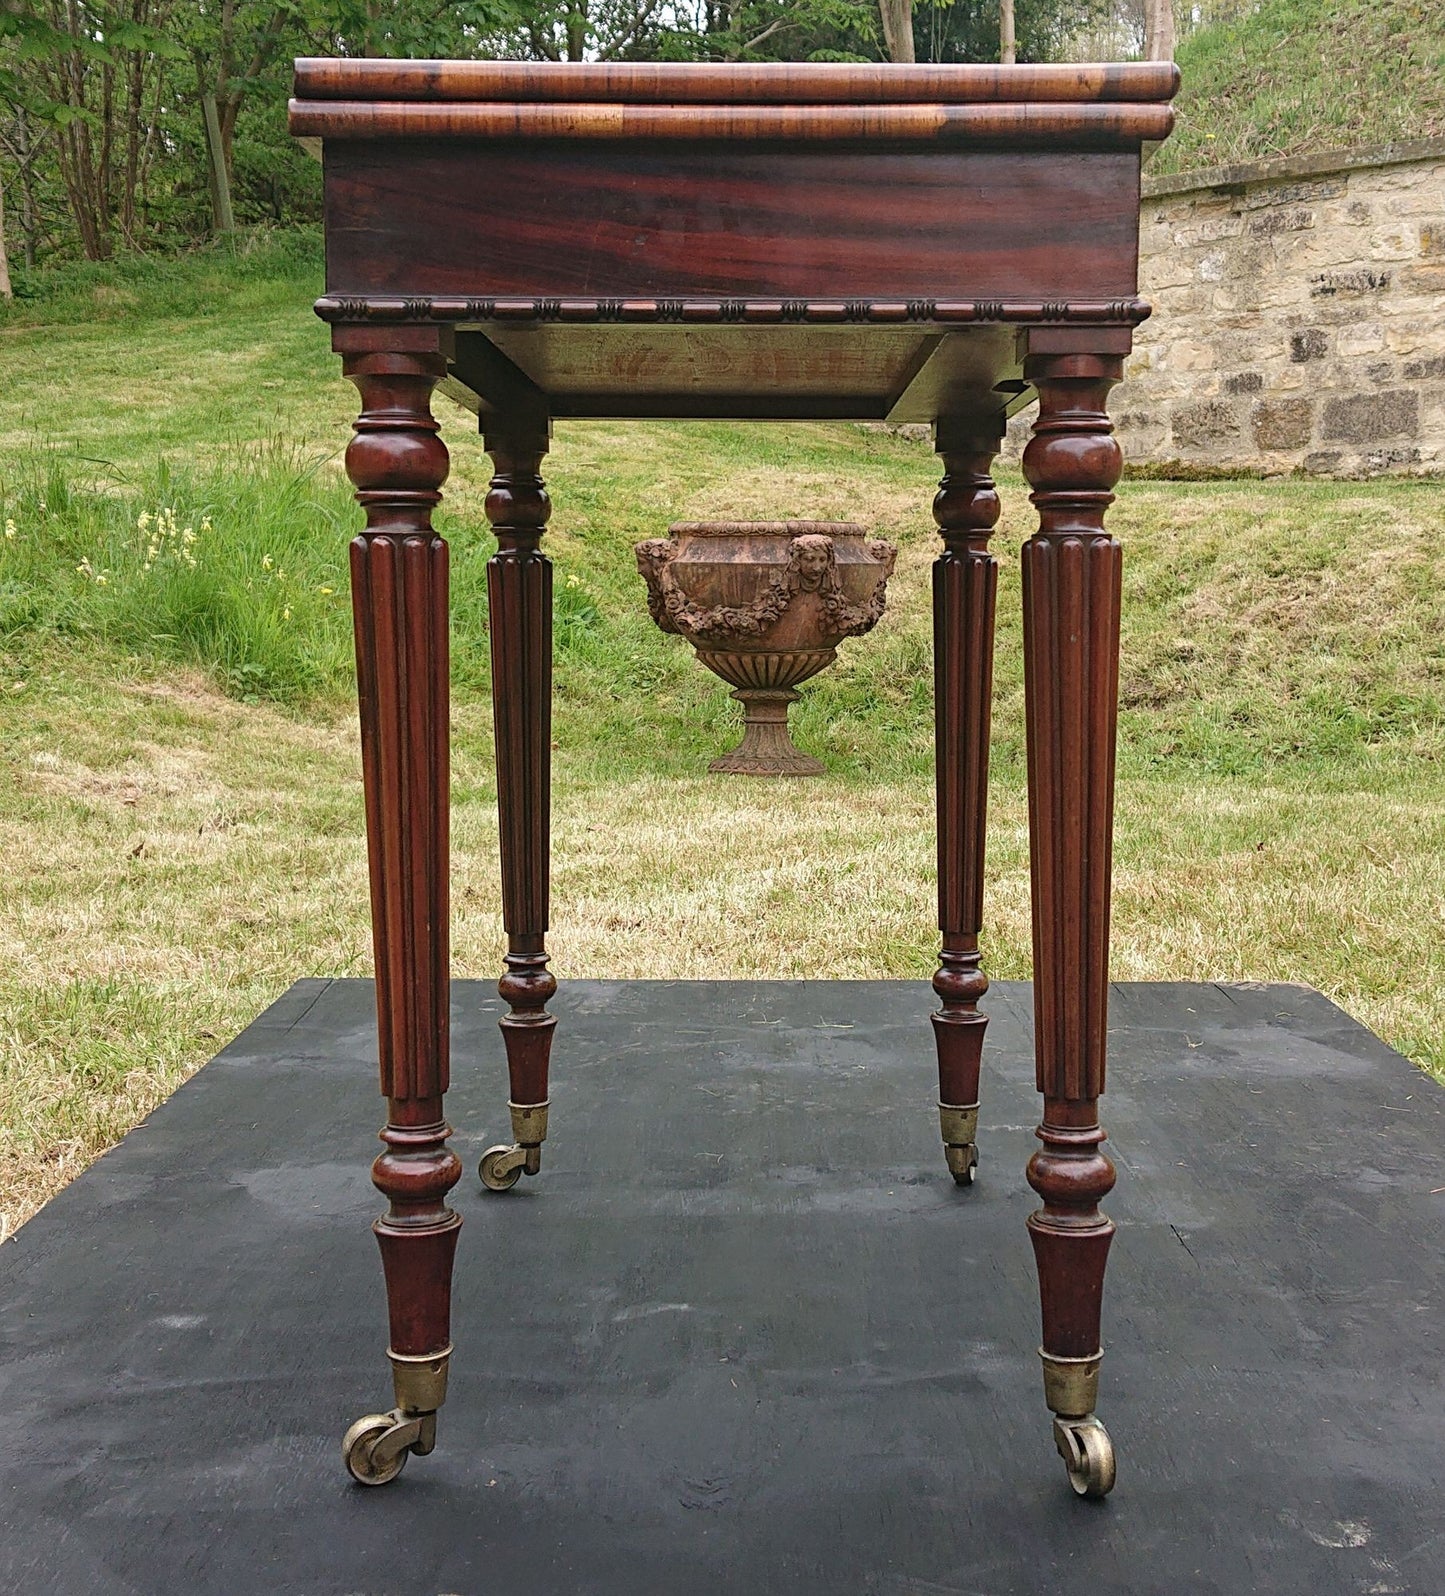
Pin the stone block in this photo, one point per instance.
(1360, 280)
(1280, 220)
(1370, 417)
(1244, 382)
(1207, 423)
(1323, 462)
(1400, 241)
(1426, 280)
(1310, 343)
(1187, 354)
(1432, 239)
(1376, 460)
(1207, 230)
(1360, 338)
(1283, 424)
(1423, 370)
(1264, 194)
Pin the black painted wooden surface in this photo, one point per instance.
(743, 1334)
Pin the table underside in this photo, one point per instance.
(895, 374)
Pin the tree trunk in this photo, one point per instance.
(1007, 48)
(897, 17)
(220, 178)
(25, 155)
(6, 291)
(1158, 30)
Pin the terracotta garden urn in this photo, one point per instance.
(766, 604)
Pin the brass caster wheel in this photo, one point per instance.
(358, 1447)
(1088, 1455)
(501, 1168)
(959, 1126)
(962, 1163)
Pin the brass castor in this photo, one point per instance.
(376, 1448)
(1088, 1455)
(1071, 1388)
(502, 1166)
(959, 1127)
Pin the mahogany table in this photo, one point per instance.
(933, 244)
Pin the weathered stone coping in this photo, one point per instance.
(1320, 164)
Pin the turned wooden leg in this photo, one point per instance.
(1071, 584)
(399, 596)
(965, 587)
(519, 599)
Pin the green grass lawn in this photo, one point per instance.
(1291, 77)
(181, 815)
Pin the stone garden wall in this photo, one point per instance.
(1299, 316)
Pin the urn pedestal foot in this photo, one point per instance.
(766, 748)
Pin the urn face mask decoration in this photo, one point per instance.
(765, 604)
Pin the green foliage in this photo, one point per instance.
(243, 574)
(1285, 77)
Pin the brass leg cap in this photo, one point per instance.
(958, 1125)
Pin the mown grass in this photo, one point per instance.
(182, 821)
(1290, 77)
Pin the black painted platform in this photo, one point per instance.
(743, 1335)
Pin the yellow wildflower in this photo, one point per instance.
(265, 562)
(9, 529)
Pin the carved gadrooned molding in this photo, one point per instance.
(457, 311)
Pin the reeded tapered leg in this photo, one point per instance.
(519, 599)
(965, 587)
(399, 597)
(1071, 583)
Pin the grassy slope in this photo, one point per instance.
(176, 855)
(1288, 77)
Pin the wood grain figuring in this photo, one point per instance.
(654, 221)
(1017, 125)
(1072, 581)
(824, 83)
(965, 588)
(399, 595)
(519, 601)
